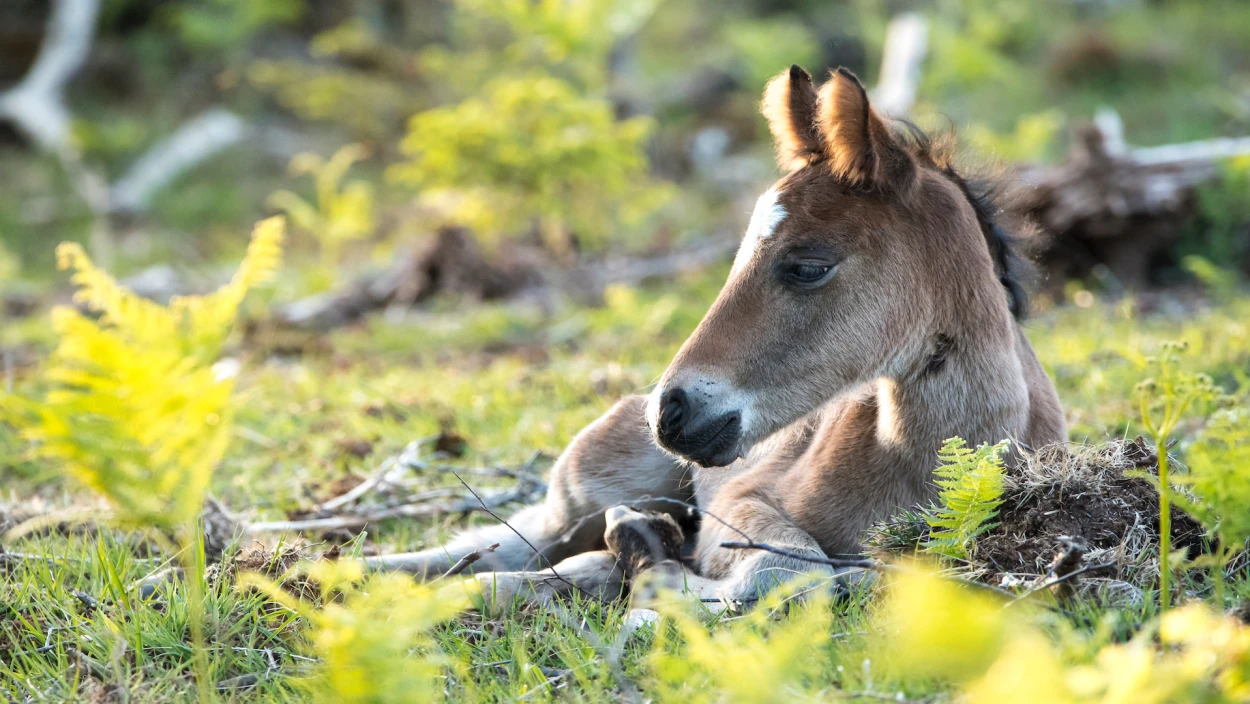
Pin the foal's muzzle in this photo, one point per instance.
(684, 427)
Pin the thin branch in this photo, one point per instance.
(1060, 580)
(906, 43)
(195, 141)
(378, 478)
(703, 511)
(409, 510)
(550, 565)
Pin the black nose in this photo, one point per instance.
(686, 428)
(674, 412)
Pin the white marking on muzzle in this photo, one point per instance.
(767, 216)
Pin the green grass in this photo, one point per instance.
(510, 381)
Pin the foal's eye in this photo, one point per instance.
(807, 272)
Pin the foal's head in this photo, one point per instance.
(868, 259)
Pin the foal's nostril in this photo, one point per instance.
(672, 412)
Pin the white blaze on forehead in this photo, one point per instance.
(768, 214)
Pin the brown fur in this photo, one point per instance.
(840, 392)
(789, 101)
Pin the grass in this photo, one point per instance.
(510, 381)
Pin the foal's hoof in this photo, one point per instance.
(642, 539)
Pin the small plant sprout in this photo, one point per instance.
(1219, 477)
(342, 213)
(971, 483)
(1163, 400)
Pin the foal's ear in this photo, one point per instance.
(790, 107)
(857, 143)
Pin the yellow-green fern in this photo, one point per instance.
(134, 409)
(342, 213)
(971, 483)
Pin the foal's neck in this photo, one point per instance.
(972, 386)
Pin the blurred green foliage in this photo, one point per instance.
(531, 150)
(225, 25)
(1221, 231)
(338, 214)
(537, 147)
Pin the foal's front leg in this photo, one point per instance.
(749, 513)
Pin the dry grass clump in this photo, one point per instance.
(1069, 507)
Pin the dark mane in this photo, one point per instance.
(1010, 263)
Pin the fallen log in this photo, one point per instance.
(1111, 205)
(453, 263)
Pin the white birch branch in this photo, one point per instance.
(906, 43)
(37, 103)
(195, 141)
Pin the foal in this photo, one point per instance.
(868, 316)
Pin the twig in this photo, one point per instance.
(378, 478)
(550, 565)
(469, 559)
(37, 103)
(195, 141)
(408, 510)
(697, 509)
(906, 42)
(883, 697)
(242, 681)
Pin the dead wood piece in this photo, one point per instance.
(906, 42)
(451, 263)
(1068, 557)
(411, 510)
(1111, 205)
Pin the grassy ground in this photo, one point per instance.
(318, 415)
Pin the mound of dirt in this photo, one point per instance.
(1066, 507)
(1083, 492)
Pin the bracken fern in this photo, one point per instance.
(971, 483)
(134, 409)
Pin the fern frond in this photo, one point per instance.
(206, 320)
(134, 410)
(971, 488)
(140, 318)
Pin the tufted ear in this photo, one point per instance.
(790, 106)
(858, 145)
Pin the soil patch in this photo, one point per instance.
(1094, 497)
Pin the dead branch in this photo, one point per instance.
(550, 565)
(37, 106)
(195, 141)
(409, 510)
(469, 559)
(37, 103)
(452, 263)
(906, 42)
(380, 477)
(1118, 206)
